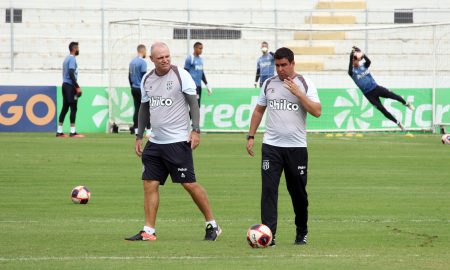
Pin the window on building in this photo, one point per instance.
(181, 33)
(403, 16)
(17, 16)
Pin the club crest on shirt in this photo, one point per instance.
(271, 90)
(169, 85)
(265, 165)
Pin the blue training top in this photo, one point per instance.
(69, 63)
(194, 65)
(137, 70)
(363, 79)
(266, 65)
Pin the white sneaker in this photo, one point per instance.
(401, 126)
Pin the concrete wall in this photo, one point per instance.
(40, 41)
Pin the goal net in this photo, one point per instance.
(411, 60)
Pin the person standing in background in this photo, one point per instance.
(194, 65)
(265, 66)
(71, 91)
(137, 70)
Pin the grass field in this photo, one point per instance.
(377, 202)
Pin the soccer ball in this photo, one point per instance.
(259, 236)
(445, 139)
(80, 195)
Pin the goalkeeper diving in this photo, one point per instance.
(371, 90)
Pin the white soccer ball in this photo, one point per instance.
(80, 195)
(259, 236)
(445, 139)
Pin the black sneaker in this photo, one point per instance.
(301, 239)
(142, 236)
(131, 130)
(61, 135)
(272, 244)
(76, 135)
(212, 233)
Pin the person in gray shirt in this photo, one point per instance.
(168, 95)
(287, 97)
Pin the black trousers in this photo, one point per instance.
(294, 162)
(374, 98)
(70, 100)
(199, 93)
(137, 96)
(136, 93)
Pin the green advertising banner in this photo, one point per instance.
(230, 109)
(442, 106)
(92, 113)
(342, 110)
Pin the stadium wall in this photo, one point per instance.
(40, 41)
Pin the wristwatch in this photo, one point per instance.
(250, 137)
(196, 130)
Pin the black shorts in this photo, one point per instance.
(160, 160)
(69, 93)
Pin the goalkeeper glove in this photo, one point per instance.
(78, 92)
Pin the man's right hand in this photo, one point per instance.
(138, 147)
(250, 147)
(256, 84)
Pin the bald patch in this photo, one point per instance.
(158, 45)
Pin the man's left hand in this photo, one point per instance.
(209, 90)
(194, 139)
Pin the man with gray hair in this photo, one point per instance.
(168, 96)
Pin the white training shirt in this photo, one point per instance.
(286, 118)
(169, 110)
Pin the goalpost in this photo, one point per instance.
(412, 60)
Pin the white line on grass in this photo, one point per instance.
(125, 258)
(18, 221)
(230, 221)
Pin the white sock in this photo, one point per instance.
(60, 129)
(73, 130)
(135, 131)
(149, 230)
(212, 222)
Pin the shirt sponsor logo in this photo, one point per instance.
(363, 74)
(160, 101)
(265, 64)
(182, 169)
(283, 105)
(265, 165)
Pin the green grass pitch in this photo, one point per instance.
(377, 202)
